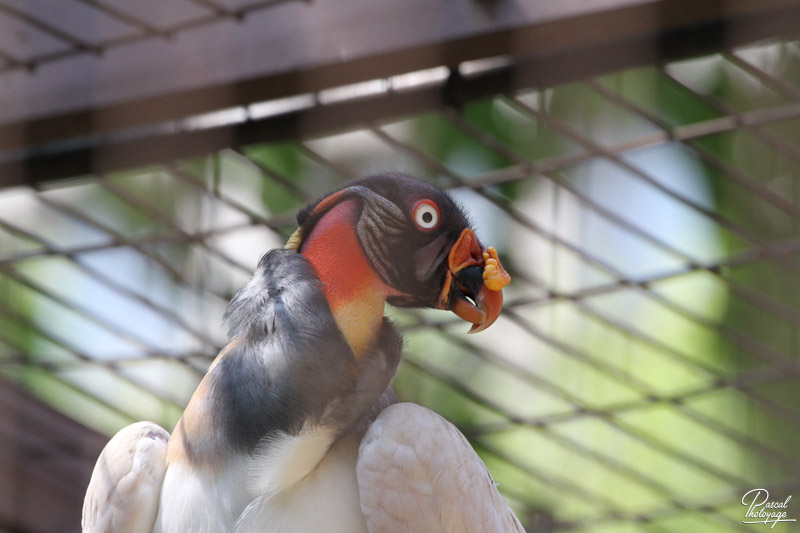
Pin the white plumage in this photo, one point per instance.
(126, 482)
(417, 473)
(412, 471)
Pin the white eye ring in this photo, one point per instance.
(426, 215)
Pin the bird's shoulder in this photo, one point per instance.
(124, 489)
(416, 470)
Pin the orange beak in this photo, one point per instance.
(475, 274)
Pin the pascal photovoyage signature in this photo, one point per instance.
(761, 510)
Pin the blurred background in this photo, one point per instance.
(634, 162)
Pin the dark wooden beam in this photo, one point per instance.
(300, 48)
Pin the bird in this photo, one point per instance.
(295, 427)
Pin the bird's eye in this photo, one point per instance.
(426, 215)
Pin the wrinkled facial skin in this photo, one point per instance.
(419, 242)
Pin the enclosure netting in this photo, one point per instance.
(644, 373)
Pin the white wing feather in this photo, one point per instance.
(417, 472)
(123, 493)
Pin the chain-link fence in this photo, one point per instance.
(643, 375)
(61, 31)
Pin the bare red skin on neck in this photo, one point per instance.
(353, 289)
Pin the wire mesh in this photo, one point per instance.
(643, 375)
(42, 36)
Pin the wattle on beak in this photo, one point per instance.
(473, 273)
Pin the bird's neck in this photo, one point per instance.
(354, 290)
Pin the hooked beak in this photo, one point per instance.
(473, 287)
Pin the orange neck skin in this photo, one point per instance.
(353, 289)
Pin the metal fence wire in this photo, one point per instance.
(61, 31)
(643, 375)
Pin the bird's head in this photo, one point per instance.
(412, 239)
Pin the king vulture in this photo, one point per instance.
(295, 428)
